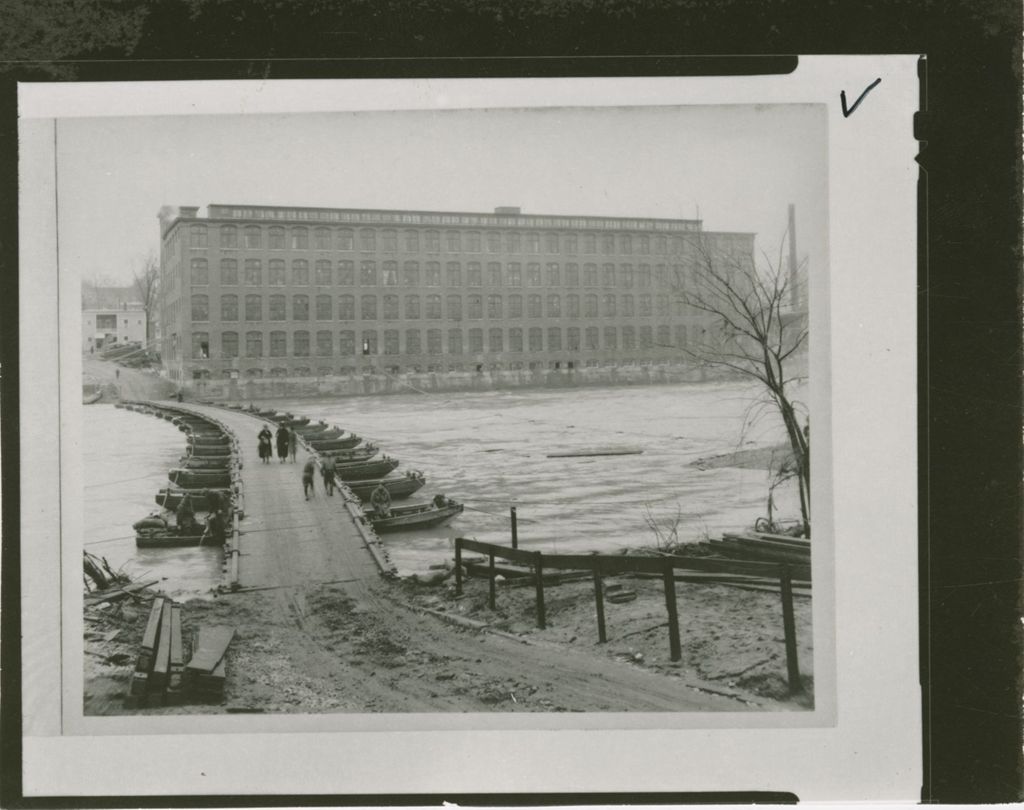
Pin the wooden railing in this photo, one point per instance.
(601, 565)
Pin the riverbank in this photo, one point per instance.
(406, 647)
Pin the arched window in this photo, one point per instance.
(572, 338)
(200, 307)
(345, 239)
(554, 276)
(554, 306)
(453, 241)
(589, 243)
(664, 335)
(591, 336)
(276, 238)
(663, 308)
(322, 239)
(493, 274)
(229, 307)
(433, 241)
(455, 307)
(346, 308)
(253, 344)
(646, 337)
(346, 273)
(608, 275)
(514, 275)
(551, 243)
(572, 305)
(474, 307)
(254, 308)
(253, 272)
(229, 345)
(454, 341)
(611, 340)
(628, 337)
(200, 271)
(590, 306)
(515, 339)
(572, 275)
(389, 239)
(455, 274)
(300, 343)
(228, 272)
(228, 236)
(494, 306)
(368, 274)
(200, 345)
(513, 243)
(434, 307)
(625, 243)
(300, 308)
(412, 241)
(390, 274)
(367, 239)
(432, 277)
(390, 308)
(412, 306)
(626, 276)
(590, 275)
(515, 306)
(411, 274)
(277, 308)
(608, 244)
(252, 236)
(323, 308)
(533, 243)
(368, 308)
(368, 342)
(323, 273)
(609, 305)
(533, 275)
(533, 307)
(494, 340)
(391, 342)
(276, 273)
(278, 344)
(412, 341)
(645, 305)
(473, 242)
(346, 342)
(554, 339)
(197, 236)
(536, 336)
(300, 238)
(474, 278)
(476, 341)
(433, 341)
(324, 343)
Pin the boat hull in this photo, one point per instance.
(206, 462)
(359, 470)
(408, 518)
(199, 479)
(397, 487)
(334, 444)
(170, 539)
(362, 453)
(171, 498)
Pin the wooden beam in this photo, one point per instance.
(491, 584)
(673, 615)
(602, 636)
(458, 566)
(789, 627)
(538, 576)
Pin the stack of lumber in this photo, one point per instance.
(206, 671)
(763, 547)
(157, 679)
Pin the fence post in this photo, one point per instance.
(602, 637)
(668, 574)
(515, 533)
(538, 568)
(789, 627)
(490, 579)
(458, 566)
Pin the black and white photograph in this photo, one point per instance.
(363, 435)
(463, 408)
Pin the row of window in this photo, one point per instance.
(435, 307)
(302, 238)
(326, 343)
(512, 274)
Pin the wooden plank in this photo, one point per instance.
(758, 542)
(210, 649)
(675, 649)
(602, 635)
(514, 554)
(538, 577)
(734, 547)
(611, 451)
(789, 628)
(458, 566)
(490, 581)
(162, 662)
(150, 637)
(177, 665)
(113, 594)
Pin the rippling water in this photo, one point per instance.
(488, 450)
(127, 456)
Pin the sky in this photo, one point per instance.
(740, 166)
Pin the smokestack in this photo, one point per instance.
(794, 293)
(166, 215)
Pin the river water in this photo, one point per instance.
(488, 450)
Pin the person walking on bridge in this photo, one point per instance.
(327, 468)
(293, 443)
(308, 471)
(282, 443)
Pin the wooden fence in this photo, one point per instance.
(602, 565)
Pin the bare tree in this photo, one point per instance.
(752, 330)
(145, 282)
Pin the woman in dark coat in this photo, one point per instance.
(282, 443)
(266, 446)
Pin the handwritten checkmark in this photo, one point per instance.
(842, 98)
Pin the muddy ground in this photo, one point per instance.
(325, 649)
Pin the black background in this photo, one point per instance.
(969, 292)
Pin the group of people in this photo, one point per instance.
(309, 474)
(214, 531)
(286, 441)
